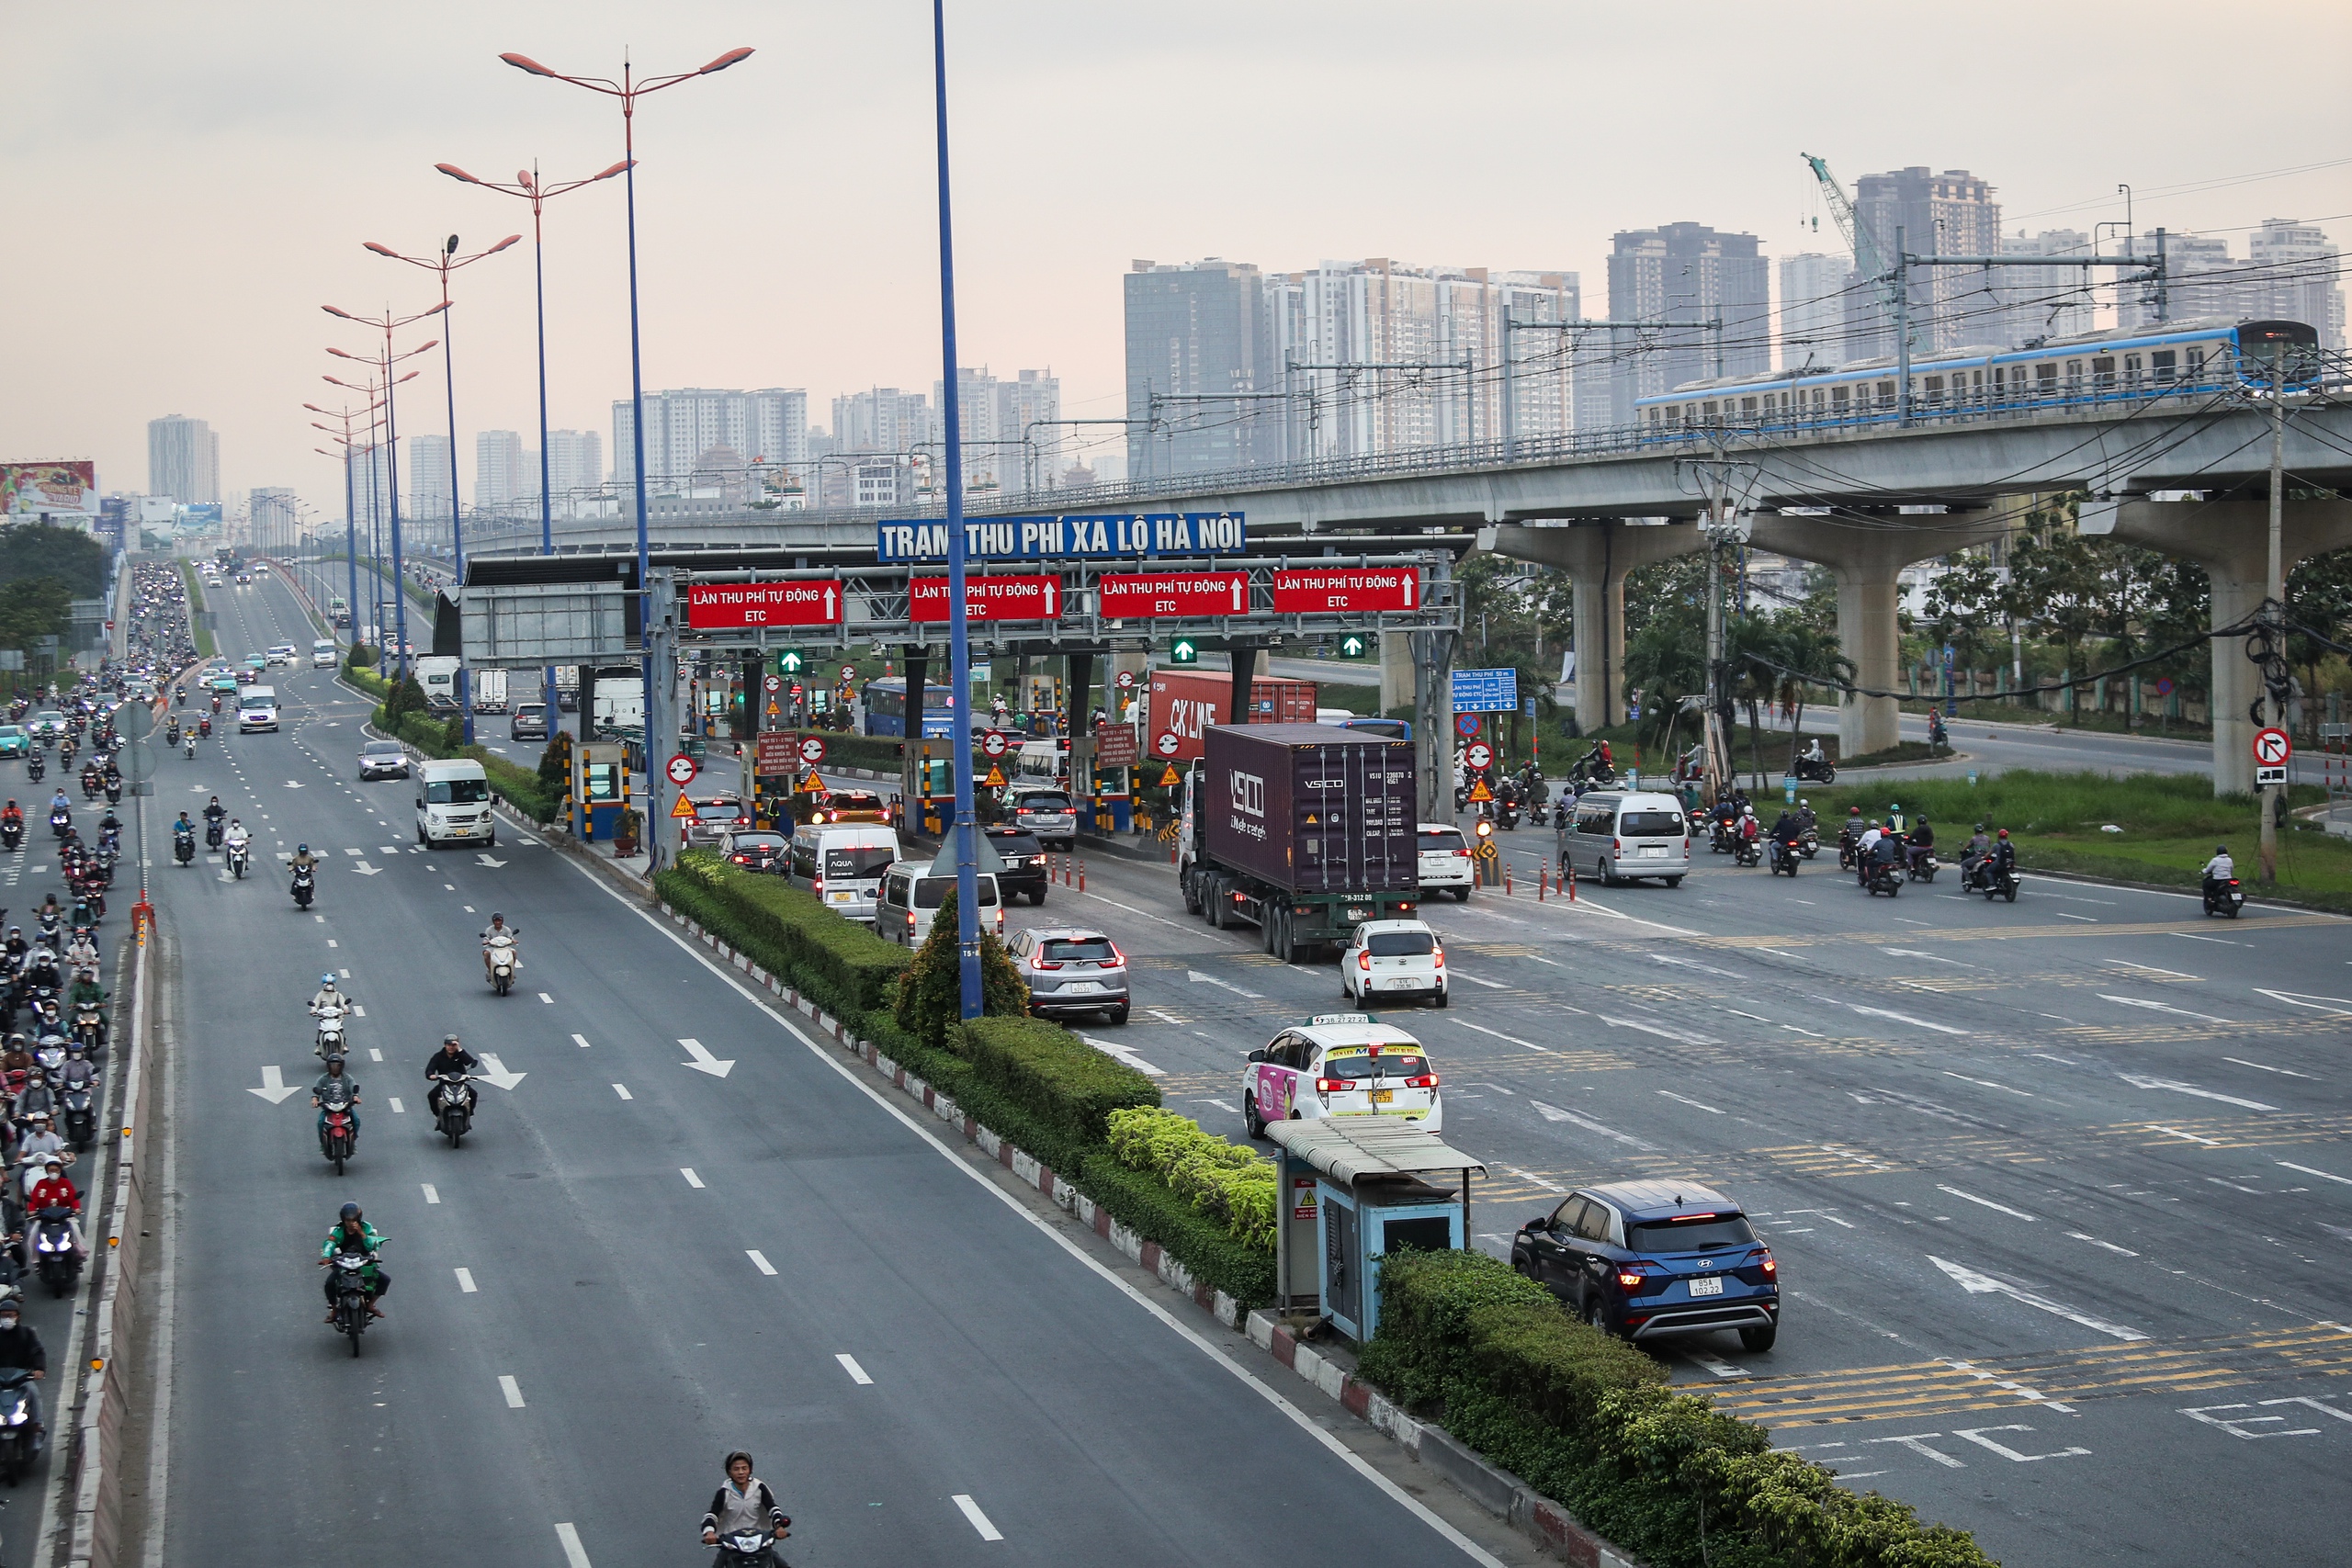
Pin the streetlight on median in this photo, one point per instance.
(350, 510)
(628, 89)
(389, 323)
(386, 453)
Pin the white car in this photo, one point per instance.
(1446, 865)
(1392, 958)
(1341, 1064)
(281, 653)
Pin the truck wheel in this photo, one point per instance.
(1191, 883)
(1213, 902)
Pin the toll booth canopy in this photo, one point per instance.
(1351, 1190)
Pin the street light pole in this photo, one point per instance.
(389, 323)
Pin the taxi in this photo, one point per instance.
(850, 805)
(1341, 1064)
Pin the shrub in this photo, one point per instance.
(842, 966)
(930, 998)
(1064, 1090)
(359, 656)
(1147, 1205)
(1222, 1180)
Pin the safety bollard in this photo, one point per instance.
(1543, 879)
(1505, 881)
(1081, 873)
(1572, 884)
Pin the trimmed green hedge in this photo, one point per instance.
(1065, 1087)
(838, 964)
(1223, 1179)
(1586, 1419)
(1147, 1205)
(846, 749)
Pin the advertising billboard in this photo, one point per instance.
(48, 487)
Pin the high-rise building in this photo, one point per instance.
(1710, 294)
(1197, 333)
(1002, 450)
(883, 419)
(270, 512)
(778, 432)
(1926, 214)
(1813, 309)
(2018, 304)
(505, 472)
(429, 493)
(2201, 278)
(2293, 272)
(183, 459)
(575, 468)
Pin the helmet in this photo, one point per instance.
(1853, 811)
(1979, 827)
(495, 916)
(2005, 832)
(298, 849)
(349, 1212)
(335, 1060)
(1803, 804)
(327, 979)
(2221, 848)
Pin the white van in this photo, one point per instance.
(256, 709)
(453, 804)
(912, 893)
(842, 863)
(1619, 836)
(322, 654)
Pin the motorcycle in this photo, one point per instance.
(1809, 843)
(502, 963)
(238, 855)
(748, 1548)
(204, 726)
(212, 833)
(351, 1294)
(304, 888)
(330, 1033)
(183, 847)
(190, 748)
(1720, 838)
(1823, 771)
(2224, 897)
(59, 1264)
(114, 791)
(1747, 850)
(90, 784)
(90, 1029)
(1507, 813)
(1922, 865)
(60, 820)
(1848, 846)
(338, 1141)
(1884, 877)
(456, 1116)
(216, 702)
(81, 1116)
(1784, 858)
(12, 834)
(20, 1435)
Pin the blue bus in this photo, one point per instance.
(885, 709)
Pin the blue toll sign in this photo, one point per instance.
(1486, 691)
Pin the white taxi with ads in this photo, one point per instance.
(1341, 1064)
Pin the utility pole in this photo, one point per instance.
(2274, 796)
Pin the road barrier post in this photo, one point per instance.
(1572, 884)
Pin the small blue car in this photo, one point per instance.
(14, 741)
(1648, 1259)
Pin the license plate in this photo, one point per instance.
(1383, 1096)
(1708, 1285)
(841, 898)
(1082, 987)
(461, 832)
(1654, 851)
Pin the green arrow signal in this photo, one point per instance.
(788, 661)
(1183, 650)
(1351, 646)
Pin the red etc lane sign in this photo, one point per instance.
(722, 606)
(1325, 592)
(1142, 596)
(987, 598)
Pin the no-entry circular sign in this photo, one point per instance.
(774, 684)
(812, 750)
(682, 770)
(1166, 745)
(1478, 754)
(2272, 747)
(993, 744)
(1126, 680)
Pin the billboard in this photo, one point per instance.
(48, 487)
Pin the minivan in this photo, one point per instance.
(453, 804)
(322, 654)
(256, 709)
(912, 893)
(1621, 836)
(842, 863)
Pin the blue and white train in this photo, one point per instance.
(2122, 365)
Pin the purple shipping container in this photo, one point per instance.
(1310, 809)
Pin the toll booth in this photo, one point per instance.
(1350, 1189)
(1114, 800)
(599, 788)
(934, 795)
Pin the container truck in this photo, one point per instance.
(489, 690)
(438, 676)
(1301, 830)
(1186, 702)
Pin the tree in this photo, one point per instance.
(2056, 579)
(1962, 609)
(930, 992)
(34, 607)
(2318, 596)
(75, 560)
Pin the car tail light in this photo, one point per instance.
(1044, 964)
(1427, 1081)
(742, 859)
(1363, 959)
(1118, 959)
(910, 921)
(818, 884)
(1631, 1277)
(1460, 854)
(1438, 955)
(1332, 1085)
(1616, 846)
(1762, 1259)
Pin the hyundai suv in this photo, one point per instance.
(1648, 1260)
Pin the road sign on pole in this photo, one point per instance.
(1478, 754)
(812, 750)
(1183, 650)
(1466, 724)
(1142, 596)
(2272, 751)
(1486, 691)
(682, 770)
(995, 745)
(772, 684)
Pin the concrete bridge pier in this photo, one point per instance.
(2231, 539)
(1597, 552)
(1865, 555)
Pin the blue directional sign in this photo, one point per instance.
(1486, 691)
(1103, 536)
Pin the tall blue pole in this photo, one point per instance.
(960, 647)
(457, 535)
(653, 745)
(350, 533)
(547, 504)
(392, 500)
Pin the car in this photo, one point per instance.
(1392, 958)
(1445, 860)
(225, 682)
(382, 760)
(1024, 863)
(280, 653)
(715, 816)
(843, 863)
(529, 723)
(1341, 1064)
(453, 803)
(850, 805)
(256, 709)
(48, 727)
(911, 895)
(1627, 836)
(1048, 814)
(756, 850)
(324, 655)
(14, 741)
(1655, 1259)
(1071, 971)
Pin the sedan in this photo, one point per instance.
(382, 760)
(1049, 815)
(48, 727)
(1398, 958)
(715, 815)
(756, 850)
(1072, 971)
(852, 806)
(14, 741)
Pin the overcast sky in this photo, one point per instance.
(187, 183)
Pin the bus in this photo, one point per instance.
(885, 709)
(1341, 718)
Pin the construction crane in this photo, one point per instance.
(1857, 239)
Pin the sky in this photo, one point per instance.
(187, 185)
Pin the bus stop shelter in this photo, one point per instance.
(1351, 1189)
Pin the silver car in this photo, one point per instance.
(1072, 969)
(382, 760)
(1049, 815)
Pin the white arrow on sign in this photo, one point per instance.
(364, 869)
(1411, 580)
(703, 1062)
(829, 603)
(1240, 597)
(273, 1087)
(498, 1074)
(1198, 978)
(1977, 1284)
(488, 862)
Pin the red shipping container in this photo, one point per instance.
(1186, 701)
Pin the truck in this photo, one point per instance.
(1302, 829)
(489, 690)
(1184, 703)
(438, 676)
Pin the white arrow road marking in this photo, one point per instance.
(485, 860)
(498, 1074)
(1977, 1284)
(2293, 998)
(1930, 957)
(465, 1281)
(1553, 1113)
(2308, 1170)
(273, 1087)
(1694, 963)
(703, 1062)
(1987, 1203)
(432, 1194)
(2160, 1006)
(291, 784)
(1687, 1101)
(580, 1041)
(692, 1180)
(512, 1390)
(1125, 1053)
(1658, 1028)
(1505, 1039)
(2176, 1087)
(759, 1261)
(364, 869)
(978, 1520)
(856, 1374)
(1905, 1018)
(1200, 980)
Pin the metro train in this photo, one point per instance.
(2122, 365)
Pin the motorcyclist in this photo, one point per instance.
(499, 927)
(2220, 869)
(1807, 822)
(352, 1234)
(1750, 830)
(59, 802)
(451, 1060)
(328, 996)
(15, 946)
(1923, 841)
(183, 829)
(303, 859)
(1814, 754)
(237, 837)
(334, 1075)
(1865, 848)
(212, 815)
(86, 990)
(20, 1346)
(744, 1504)
(55, 1191)
(2005, 853)
(1973, 854)
(40, 1140)
(13, 813)
(1786, 832)
(1887, 852)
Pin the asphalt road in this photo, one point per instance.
(2062, 1191)
(635, 1264)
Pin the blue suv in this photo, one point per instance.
(1645, 1259)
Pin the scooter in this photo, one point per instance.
(191, 746)
(21, 1434)
(12, 834)
(330, 1033)
(1747, 851)
(457, 1113)
(239, 854)
(35, 768)
(81, 1116)
(1884, 877)
(60, 820)
(59, 1265)
(1922, 866)
(2224, 897)
(351, 1313)
(748, 1548)
(1809, 843)
(304, 888)
(1784, 858)
(183, 847)
(1823, 771)
(212, 833)
(503, 964)
(338, 1140)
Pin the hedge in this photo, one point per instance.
(847, 749)
(838, 964)
(1147, 1205)
(1586, 1419)
(1064, 1088)
(1223, 1179)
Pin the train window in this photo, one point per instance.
(2196, 364)
(2103, 371)
(1886, 394)
(1935, 388)
(2162, 363)
(2073, 373)
(1709, 410)
(1747, 406)
(2046, 378)
(1819, 397)
(1838, 395)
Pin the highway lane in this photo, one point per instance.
(2049, 1182)
(629, 1303)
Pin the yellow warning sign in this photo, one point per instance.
(812, 784)
(1170, 778)
(995, 779)
(1480, 792)
(682, 806)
